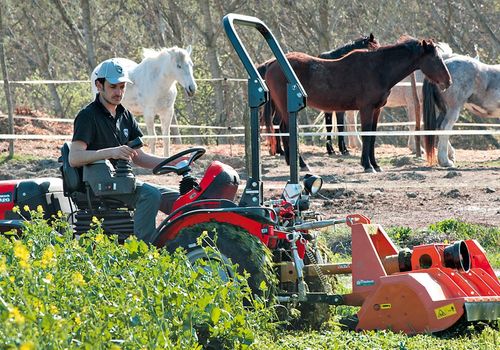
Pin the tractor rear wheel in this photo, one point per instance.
(235, 245)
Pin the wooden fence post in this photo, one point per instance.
(416, 100)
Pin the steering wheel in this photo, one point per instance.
(182, 165)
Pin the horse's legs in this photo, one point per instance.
(277, 121)
(328, 122)
(376, 114)
(166, 118)
(340, 127)
(366, 125)
(444, 146)
(286, 145)
(285, 141)
(149, 119)
(166, 121)
(354, 141)
(451, 152)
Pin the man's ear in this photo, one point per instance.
(98, 85)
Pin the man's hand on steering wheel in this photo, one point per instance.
(179, 163)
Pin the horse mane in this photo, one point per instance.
(444, 49)
(408, 42)
(153, 53)
(159, 60)
(356, 44)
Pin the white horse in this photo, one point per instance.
(476, 86)
(153, 91)
(401, 96)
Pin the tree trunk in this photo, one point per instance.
(160, 26)
(173, 21)
(484, 23)
(6, 84)
(75, 32)
(213, 62)
(324, 42)
(87, 33)
(416, 101)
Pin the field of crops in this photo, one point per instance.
(60, 292)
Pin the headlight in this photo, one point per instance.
(312, 183)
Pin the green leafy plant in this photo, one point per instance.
(59, 292)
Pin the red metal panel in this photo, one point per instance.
(7, 191)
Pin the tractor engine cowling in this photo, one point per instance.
(219, 182)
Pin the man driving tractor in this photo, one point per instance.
(101, 132)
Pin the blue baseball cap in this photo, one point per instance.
(113, 72)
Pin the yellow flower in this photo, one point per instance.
(78, 279)
(15, 209)
(153, 255)
(39, 209)
(48, 258)
(54, 309)
(22, 253)
(59, 214)
(26, 208)
(37, 304)
(78, 320)
(16, 315)
(27, 346)
(99, 237)
(3, 265)
(48, 278)
(95, 220)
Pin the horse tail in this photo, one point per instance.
(431, 99)
(268, 116)
(268, 112)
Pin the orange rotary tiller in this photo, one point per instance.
(427, 289)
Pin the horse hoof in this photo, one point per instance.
(378, 169)
(370, 170)
(447, 164)
(329, 149)
(346, 153)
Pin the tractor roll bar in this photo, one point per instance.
(258, 94)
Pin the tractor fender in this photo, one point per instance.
(259, 221)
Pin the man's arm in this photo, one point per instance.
(79, 155)
(146, 160)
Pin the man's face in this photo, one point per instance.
(111, 93)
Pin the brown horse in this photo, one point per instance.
(361, 80)
(365, 42)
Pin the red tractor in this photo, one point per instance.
(428, 289)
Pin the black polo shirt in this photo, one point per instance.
(95, 126)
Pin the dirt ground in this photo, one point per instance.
(407, 193)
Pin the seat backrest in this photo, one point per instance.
(72, 179)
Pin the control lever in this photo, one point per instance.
(135, 143)
(123, 167)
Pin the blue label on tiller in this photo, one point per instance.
(362, 283)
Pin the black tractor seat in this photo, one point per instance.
(117, 215)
